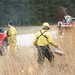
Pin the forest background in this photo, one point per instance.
(34, 12)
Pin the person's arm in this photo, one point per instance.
(35, 41)
(54, 44)
(50, 40)
(8, 33)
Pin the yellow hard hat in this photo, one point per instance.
(46, 24)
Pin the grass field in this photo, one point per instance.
(32, 29)
(26, 61)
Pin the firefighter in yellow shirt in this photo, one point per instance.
(42, 41)
(12, 37)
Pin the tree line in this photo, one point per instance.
(34, 12)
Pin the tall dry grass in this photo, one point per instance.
(67, 44)
(25, 63)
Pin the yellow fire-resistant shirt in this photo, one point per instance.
(12, 31)
(12, 34)
(43, 41)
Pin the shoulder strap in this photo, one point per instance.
(42, 34)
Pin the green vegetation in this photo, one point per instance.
(34, 12)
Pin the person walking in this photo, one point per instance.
(41, 42)
(11, 33)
